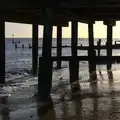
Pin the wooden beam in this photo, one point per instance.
(45, 64)
(109, 44)
(2, 52)
(97, 59)
(59, 45)
(91, 52)
(30, 18)
(74, 64)
(85, 3)
(34, 48)
(91, 34)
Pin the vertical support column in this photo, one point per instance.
(109, 45)
(110, 24)
(91, 36)
(91, 52)
(109, 40)
(59, 45)
(74, 63)
(2, 52)
(34, 48)
(99, 46)
(45, 63)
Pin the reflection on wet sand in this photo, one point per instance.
(95, 100)
(46, 112)
(114, 108)
(4, 110)
(78, 109)
(64, 108)
(110, 80)
(110, 74)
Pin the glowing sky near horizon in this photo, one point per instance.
(25, 30)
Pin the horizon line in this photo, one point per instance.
(53, 38)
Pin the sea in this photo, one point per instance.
(19, 61)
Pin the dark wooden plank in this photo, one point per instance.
(45, 64)
(83, 47)
(86, 58)
(109, 44)
(73, 64)
(91, 51)
(2, 52)
(59, 45)
(34, 48)
(96, 47)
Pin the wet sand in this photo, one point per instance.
(96, 101)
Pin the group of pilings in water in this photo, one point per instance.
(46, 61)
(23, 46)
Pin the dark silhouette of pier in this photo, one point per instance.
(59, 13)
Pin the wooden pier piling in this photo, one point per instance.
(109, 44)
(92, 66)
(2, 52)
(74, 64)
(45, 63)
(34, 49)
(98, 45)
(91, 52)
(110, 25)
(59, 45)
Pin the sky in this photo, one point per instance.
(25, 30)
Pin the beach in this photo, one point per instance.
(95, 101)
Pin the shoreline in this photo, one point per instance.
(21, 103)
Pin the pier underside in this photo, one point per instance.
(59, 13)
(63, 10)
